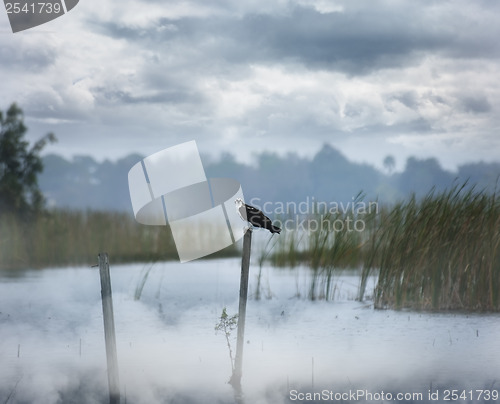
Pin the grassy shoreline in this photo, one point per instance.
(67, 237)
(440, 252)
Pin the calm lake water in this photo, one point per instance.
(52, 340)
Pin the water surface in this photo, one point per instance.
(52, 340)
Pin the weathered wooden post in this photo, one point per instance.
(245, 268)
(109, 329)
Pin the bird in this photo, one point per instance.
(255, 216)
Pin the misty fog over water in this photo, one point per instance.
(52, 340)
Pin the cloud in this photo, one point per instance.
(155, 97)
(356, 40)
(286, 75)
(476, 104)
(27, 56)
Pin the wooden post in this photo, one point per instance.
(245, 268)
(109, 330)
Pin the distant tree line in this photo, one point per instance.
(29, 182)
(82, 182)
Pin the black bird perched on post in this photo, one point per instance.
(255, 216)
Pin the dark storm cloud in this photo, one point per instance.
(413, 100)
(407, 98)
(157, 97)
(355, 41)
(351, 43)
(30, 57)
(476, 104)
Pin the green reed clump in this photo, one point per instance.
(66, 237)
(288, 251)
(440, 252)
(324, 241)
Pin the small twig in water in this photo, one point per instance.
(227, 325)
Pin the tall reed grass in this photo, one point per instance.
(439, 253)
(324, 241)
(66, 237)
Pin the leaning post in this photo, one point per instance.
(245, 268)
(109, 329)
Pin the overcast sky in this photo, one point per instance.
(371, 78)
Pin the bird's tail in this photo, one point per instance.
(275, 229)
